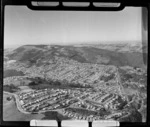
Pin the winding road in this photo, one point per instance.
(120, 84)
(17, 102)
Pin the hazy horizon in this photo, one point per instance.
(26, 27)
(74, 44)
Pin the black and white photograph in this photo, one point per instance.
(74, 65)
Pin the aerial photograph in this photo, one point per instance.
(74, 65)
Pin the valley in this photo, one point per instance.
(85, 83)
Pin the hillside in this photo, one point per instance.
(41, 54)
(9, 73)
(86, 80)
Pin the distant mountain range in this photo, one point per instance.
(108, 54)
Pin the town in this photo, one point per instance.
(66, 101)
(71, 71)
(83, 91)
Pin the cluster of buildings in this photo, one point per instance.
(117, 115)
(110, 89)
(75, 72)
(99, 96)
(79, 116)
(72, 71)
(46, 99)
(61, 99)
(88, 106)
(75, 113)
(13, 80)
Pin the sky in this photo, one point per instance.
(24, 26)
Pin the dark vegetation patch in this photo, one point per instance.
(122, 103)
(86, 112)
(29, 55)
(10, 72)
(39, 83)
(129, 79)
(134, 59)
(53, 115)
(107, 78)
(125, 76)
(134, 116)
(10, 88)
(20, 49)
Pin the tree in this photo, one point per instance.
(64, 82)
(134, 116)
(128, 76)
(57, 83)
(32, 83)
(107, 84)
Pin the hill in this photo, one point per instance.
(41, 54)
(9, 73)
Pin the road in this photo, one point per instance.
(120, 84)
(23, 111)
(17, 102)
